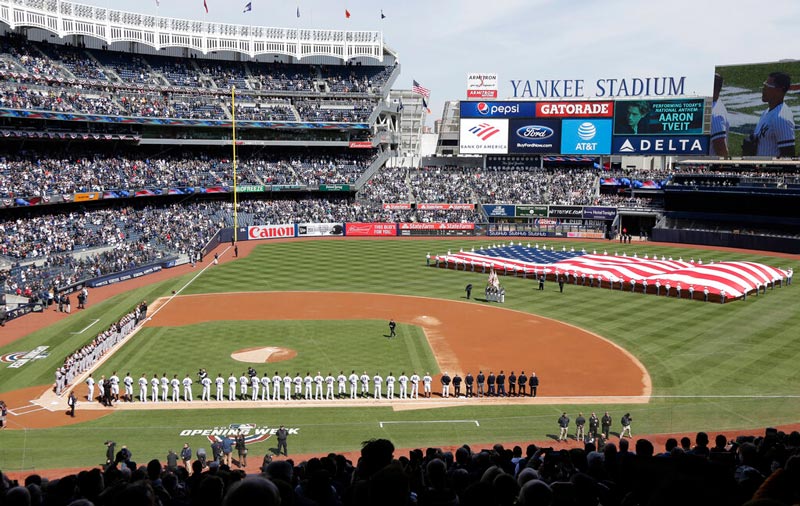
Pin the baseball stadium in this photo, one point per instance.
(232, 238)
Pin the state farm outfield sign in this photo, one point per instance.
(258, 232)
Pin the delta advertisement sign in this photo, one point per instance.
(591, 128)
(482, 85)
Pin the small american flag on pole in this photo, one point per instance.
(418, 88)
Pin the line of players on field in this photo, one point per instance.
(251, 386)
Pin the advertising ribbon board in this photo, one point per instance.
(370, 229)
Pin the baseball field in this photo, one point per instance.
(677, 366)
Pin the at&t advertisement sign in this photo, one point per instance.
(586, 136)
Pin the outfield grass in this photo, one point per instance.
(735, 363)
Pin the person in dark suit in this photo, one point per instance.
(469, 381)
(512, 384)
(490, 383)
(392, 327)
(522, 381)
(469, 290)
(561, 283)
(501, 384)
(457, 380)
(481, 380)
(71, 402)
(541, 282)
(533, 382)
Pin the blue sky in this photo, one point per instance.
(440, 41)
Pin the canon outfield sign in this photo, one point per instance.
(259, 232)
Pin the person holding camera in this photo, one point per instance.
(774, 133)
(626, 425)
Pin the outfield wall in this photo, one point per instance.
(727, 239)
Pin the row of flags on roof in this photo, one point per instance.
(249, 7)
(416, 88)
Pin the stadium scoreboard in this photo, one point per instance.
(677, 126)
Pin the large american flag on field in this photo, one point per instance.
(421, 90)
(733, 277)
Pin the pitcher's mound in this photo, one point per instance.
(263, 355)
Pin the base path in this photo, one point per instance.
(464, 336)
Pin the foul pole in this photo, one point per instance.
(235, 184)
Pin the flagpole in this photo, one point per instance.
(235, 195)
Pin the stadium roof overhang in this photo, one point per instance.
(67, 18)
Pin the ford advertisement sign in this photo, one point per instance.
(492, 109)
(534, 136)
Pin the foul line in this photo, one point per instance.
(25, 410)
(381, 424)
(84, 329)
(82, 377)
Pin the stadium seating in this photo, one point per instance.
(692, 471)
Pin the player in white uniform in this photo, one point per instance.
(220, 383)
(114, 380)
(155, 383)
(341, 379)
(90, 385)
(364, 384)
(719, 123)
(307, 380)
(403, 379)
(390, 379)
(415, 386)
(255, 385)
(318, 380)
(265, 386)
(244, 384)
(232, 387)
(128, 387)
(775, 128)
(206, 395)
(378, 386)
(277, 382)
(287, 387)
(353, 385)
(175, 383)
(164, 387)
(143, 388)
(329, 380)
(298, 385)
(187, 388)
(426, 384)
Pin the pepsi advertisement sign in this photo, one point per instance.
(498, 109)
(534, 136)
(586, 136)
(661, 145)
